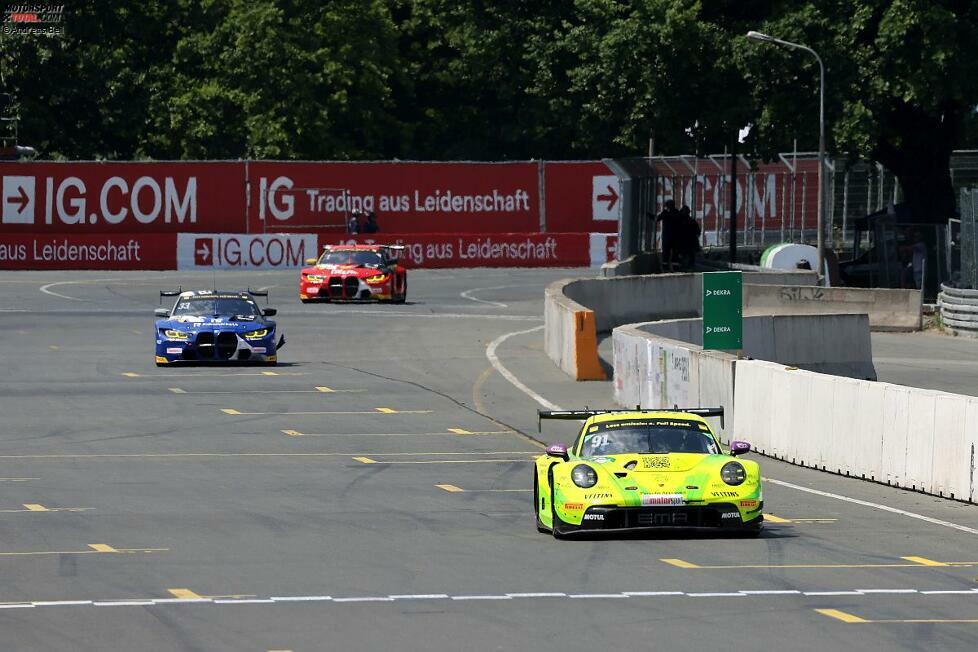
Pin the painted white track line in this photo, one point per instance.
(388, 599)
(505, 373)
(46, 289)
(866, 503)
(494, 359)
(497, 304)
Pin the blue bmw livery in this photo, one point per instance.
(215, 326)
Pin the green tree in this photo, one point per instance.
(902, 84)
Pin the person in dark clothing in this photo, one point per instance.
(670, 219)
(353, 226)
(371, 226)
(689, 238)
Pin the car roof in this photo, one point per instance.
(610, 417)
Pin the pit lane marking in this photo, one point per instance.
(771, 518)
(93, 549)
(454, 489)
(497, 304)
(853, 619)
(317, 390)
(913, 562)
(36, 508)
(420, 597)
(450, 432)
(380, 410)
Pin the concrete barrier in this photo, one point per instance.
(834, 344)
(571, 340)
(903, 436)
(888, 310)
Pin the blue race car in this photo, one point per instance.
(215, 326)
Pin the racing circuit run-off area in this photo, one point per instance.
(375, 487)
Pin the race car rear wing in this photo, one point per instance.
(580, 415)
(170, 293)
(259, 293)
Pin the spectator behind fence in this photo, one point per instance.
(353, 226)
(671, 234)
(689, 239)
(371, 226)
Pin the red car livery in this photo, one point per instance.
(355, 273)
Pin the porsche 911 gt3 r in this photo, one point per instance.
(355, 273)
(638, 469)
(214, 326)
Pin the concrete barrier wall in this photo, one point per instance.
(903, 436)
(888, 310)
(834, 344)
(570, 337)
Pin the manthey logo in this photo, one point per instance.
(18, 200)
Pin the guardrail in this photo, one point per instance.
(959, 310)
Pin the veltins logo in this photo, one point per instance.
(18, 200)
(203, 250)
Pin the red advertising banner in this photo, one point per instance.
(581, 196)
(483, 249)
(85, 198)
(406, 197)
(127, 251)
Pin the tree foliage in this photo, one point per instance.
(498, 79)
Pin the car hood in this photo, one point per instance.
(646, 463)
(343, 270)
(224, 322)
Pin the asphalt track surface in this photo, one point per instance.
(233, 509)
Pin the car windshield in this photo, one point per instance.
(655, 436)
(351, 257)
(210, 306)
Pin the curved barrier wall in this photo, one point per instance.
(888, 310)
(576, 310)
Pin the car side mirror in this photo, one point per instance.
(269, 312)
(558, 451)
(310, 261)
(739, 447)
(162, 313)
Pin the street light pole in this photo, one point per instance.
(765, 38)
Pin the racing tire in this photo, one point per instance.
(541, 528)
(402, 297)
(753, 530)
(306, 300)
(555, 530)
(160, 364)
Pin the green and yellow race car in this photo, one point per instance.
(638, 469)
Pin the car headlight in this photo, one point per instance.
(733, 473)
(176, 335)
(314, 279)
(584, 476)
(379, 278)
(257, 335)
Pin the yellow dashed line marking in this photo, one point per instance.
(386, 410)
(841, 615)
(771, 518)
(33, 507)
(54, 347)
(365, 460)
(102, 547)
(17, 479)
(326, 390)
(229, 411)
(130, 374)
(177, 390)
(923, 561)
(459, 431)
(184, 594)
(269, 373)
(450, 488)
(292, 433)
(679, 563)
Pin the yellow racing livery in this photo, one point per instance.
(638, 469)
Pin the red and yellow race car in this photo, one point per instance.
(355, 273)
